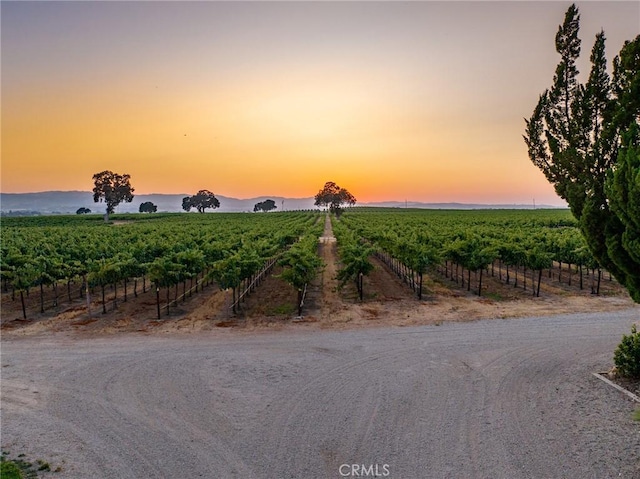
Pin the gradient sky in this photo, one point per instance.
(418, 101)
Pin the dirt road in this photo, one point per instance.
(330, 302)
(488, 399)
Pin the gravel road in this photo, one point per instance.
(487, 399)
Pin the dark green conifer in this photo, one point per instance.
(585, 140)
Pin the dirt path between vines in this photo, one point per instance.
(331, 301)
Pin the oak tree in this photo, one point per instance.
(266, 205)
(334, 197)
(147, 207)
(202, 200)
(113, 189)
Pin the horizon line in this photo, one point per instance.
(406, 201)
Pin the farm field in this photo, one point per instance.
(186, 291)
(496, 384)
(534, 262)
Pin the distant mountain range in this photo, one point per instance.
(65, 202)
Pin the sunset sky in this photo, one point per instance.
(418, 101)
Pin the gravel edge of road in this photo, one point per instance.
(618, 387)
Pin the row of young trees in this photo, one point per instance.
(227, 249)
(461, 244)
(301, 264)
(29, 261)
(354, 256)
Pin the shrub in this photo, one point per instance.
(9, 470)
(627, 355)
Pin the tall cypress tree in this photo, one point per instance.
(584, 138)
(565, 90)
(597, 96)
(623, 181)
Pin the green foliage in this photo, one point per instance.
(537, 258)
(623, 192)
(25, 276)
(584, 138)
(83, 211)
(202, 200)
(168, 249)
(164, 271)
(9, 470)
(266, 205)
(472, 253)
(421, 239)
(420, 256)
(112, 188)
(147, 207)
(627, 355)
(334, 197)
(19, 468)
(301, 263)
(354, 257)
(227, 272)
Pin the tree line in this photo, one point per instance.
(114, 188)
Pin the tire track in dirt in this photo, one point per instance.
(485, 399)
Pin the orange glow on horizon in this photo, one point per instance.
(394, 101)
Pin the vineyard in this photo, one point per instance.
(160, 262)
(513, 245)
(60, 259)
